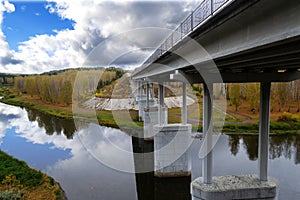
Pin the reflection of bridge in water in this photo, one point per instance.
(241, 41)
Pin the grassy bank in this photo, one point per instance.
(280, 123)
(18, 181)
(253, 128)
(105, 118)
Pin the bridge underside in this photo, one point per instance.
(278, 62)
(248, 41)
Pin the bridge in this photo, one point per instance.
(223, 41)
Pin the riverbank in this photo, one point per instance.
(19, 181)
(104, 117)
(124, 118)
(54, 110)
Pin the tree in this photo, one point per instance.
(252, 95)
(235, 95)
(66, 93)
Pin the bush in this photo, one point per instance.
(289, 117)
(280, 126)
(11, 96)
(10, 195)
(26, 175)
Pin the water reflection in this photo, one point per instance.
(153, 188)
(52, 124)
(287, 146)
(63, 156)
(54, 146)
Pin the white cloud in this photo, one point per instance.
(95, 22)
(6, 56)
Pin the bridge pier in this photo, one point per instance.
(171, 142)
(243, 186)
(151, 115)
(207, 132)
(143, 99)
(151, 119)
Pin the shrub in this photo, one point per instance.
(10, 195)
(289, 117)
(24, 174)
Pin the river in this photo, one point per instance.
(86, 160)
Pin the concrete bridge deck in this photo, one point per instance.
(244, 38)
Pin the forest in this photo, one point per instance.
(285, 97)
(60, 87)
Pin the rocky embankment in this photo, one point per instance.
(129, 103)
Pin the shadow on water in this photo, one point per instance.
(150, 187)
(287, 146)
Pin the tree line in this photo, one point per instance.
(284, 96)
(59, 88)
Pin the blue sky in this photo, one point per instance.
(39, 36)
(30, 19)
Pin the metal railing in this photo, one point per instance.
(206, 9)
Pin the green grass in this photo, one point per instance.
(17, 102)
(27, 176)
(275, 127)
(19, 181)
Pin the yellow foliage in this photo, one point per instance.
(11, 182)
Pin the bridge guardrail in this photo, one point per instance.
(206, 9)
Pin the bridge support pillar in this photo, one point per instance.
(171, 142)
(143, 100)
(171, 157)
(207, 133)
(161, 103)
(264, 129)
(150, 115)
(151, 119)
(242, 186)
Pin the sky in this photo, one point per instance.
(40, 36)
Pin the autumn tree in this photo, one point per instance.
(252, 95)
(235, 95)
(66, 93)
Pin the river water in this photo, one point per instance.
(86, 160)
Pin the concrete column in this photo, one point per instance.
(160, 102)
(264, 126)
(147, 95)
(153, 96)
(141, 101)
(139, 91)
(149, 119)
(207, 132)
(140, 88)
(241, 186)
(184, 107)
(144, 88)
